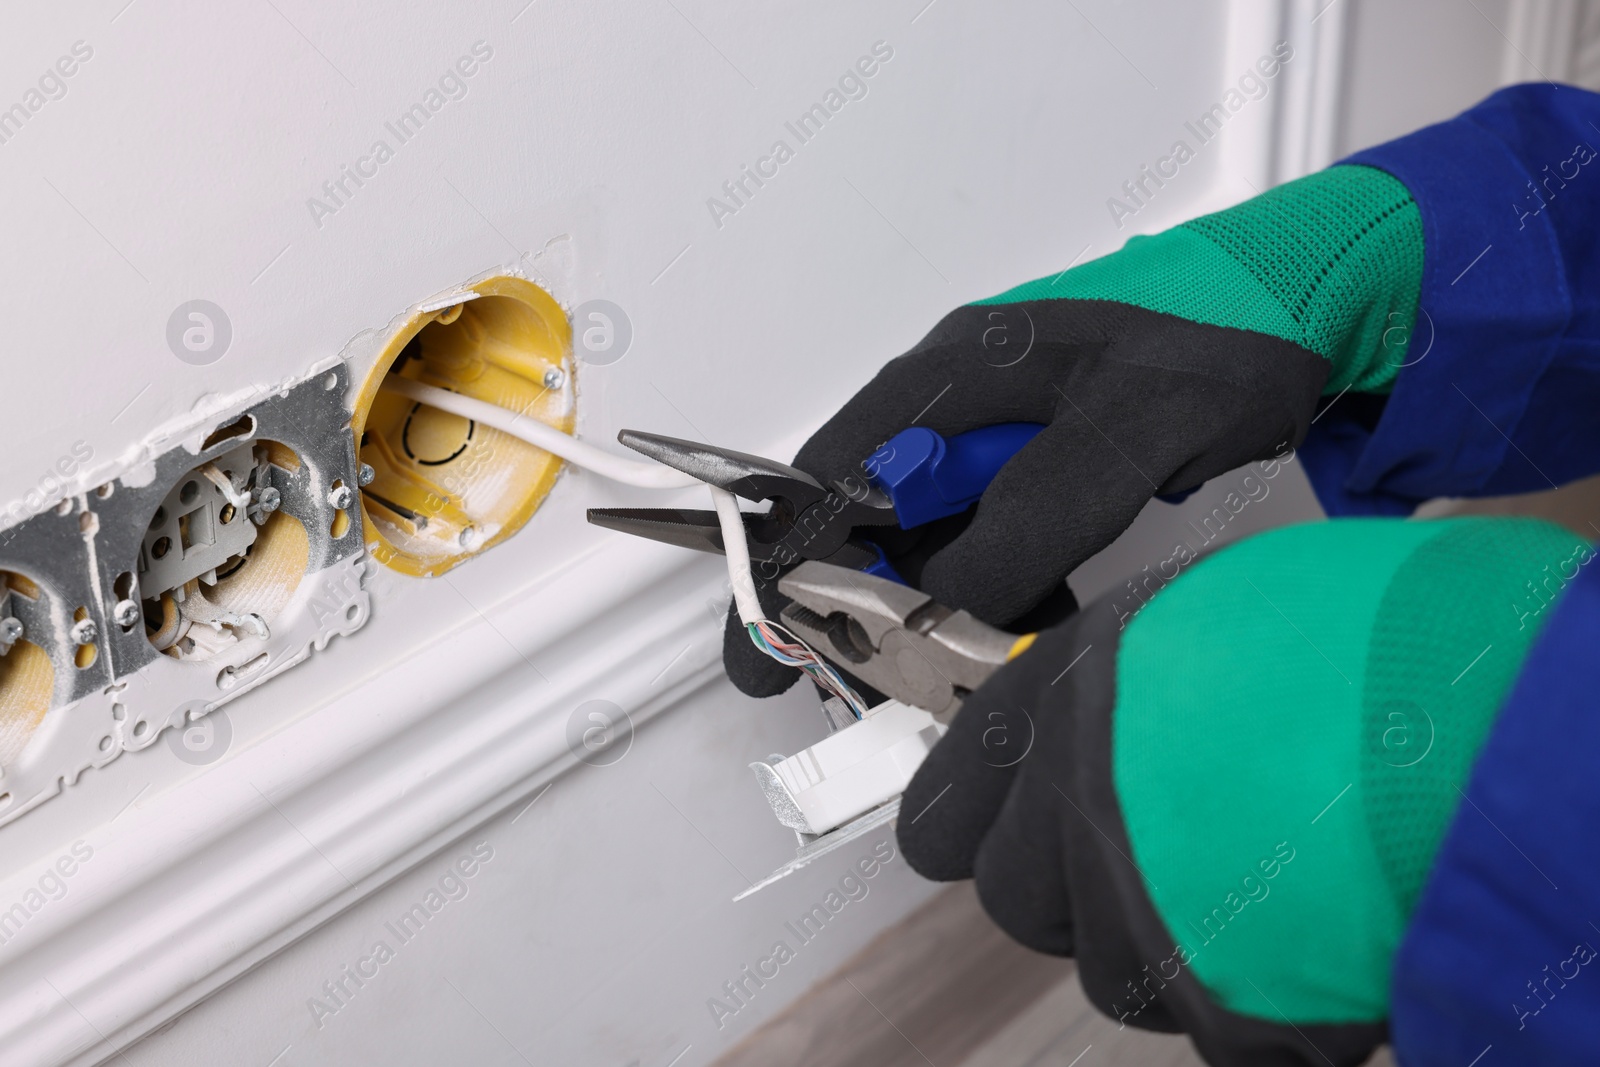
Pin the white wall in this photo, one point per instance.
(178, 165)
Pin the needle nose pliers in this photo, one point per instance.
(918, 476)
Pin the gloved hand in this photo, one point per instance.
(1174, 360)
(1226, 806)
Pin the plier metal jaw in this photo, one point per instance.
(916, 477)
(808, 520)
(895, 638)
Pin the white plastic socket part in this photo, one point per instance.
(849, 772)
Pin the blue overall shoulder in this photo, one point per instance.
(1502, 375)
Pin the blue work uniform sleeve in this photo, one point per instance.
(1501, 386)
(1500, 963)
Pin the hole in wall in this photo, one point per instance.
(19, 583)
(280, 455)
(87, 653)
(27, 675)
(444, 487)
(239, 429)
(229, 677)
(341, 515)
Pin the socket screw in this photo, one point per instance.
(468, 538)
(84, 631)
(554, 378)
(341, 496)
(365, 474)
(263, 501)
(10, 632)
(126, 614)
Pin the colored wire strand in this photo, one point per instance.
(767, 635)
(786, 648)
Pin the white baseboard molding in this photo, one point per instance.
(193, 888)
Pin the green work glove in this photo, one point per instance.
(1174, 360)
(1226, 805)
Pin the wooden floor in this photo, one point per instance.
(945, 988)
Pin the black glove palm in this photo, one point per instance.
(1137, 403)
(1171, 361)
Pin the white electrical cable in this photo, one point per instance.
(738, 553)
(644, 474)
(771, 637)
(768, 635)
